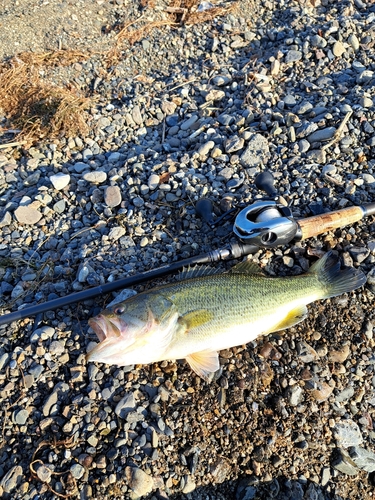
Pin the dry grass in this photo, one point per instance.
(38, 108)
(187, 11)
(178, 12)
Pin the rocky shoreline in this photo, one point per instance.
(190, 111)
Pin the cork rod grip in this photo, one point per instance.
(312, 226)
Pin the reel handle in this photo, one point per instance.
(204, 208)
(266, 182)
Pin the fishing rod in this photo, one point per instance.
(232, 251)
(266, 223)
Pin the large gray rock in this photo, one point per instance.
(139, 482)
(347, 433)
(256, 152)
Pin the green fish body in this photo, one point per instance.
(206, 312)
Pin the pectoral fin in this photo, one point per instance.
(204, 363)
(196, 318)
(293, 317)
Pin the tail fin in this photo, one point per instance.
(334, 280)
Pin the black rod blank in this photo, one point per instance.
(232, 251)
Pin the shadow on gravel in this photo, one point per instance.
(280, 488)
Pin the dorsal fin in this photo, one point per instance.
(247, 267)
(197, 272)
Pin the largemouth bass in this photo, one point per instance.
(206, 312)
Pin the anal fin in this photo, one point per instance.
(204, 363)
(293, 317)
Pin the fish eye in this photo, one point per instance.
(119, 310)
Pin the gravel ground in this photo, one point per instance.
(189, 112)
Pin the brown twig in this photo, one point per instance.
(68, 443)
(12, 144)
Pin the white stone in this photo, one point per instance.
(60, 180)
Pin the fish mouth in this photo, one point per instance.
(107, 328)
(99, 326)
(111, 339)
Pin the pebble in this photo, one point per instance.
(233, 144)
(189, 486)
(77, 471)
(97, 177)
(322, 391)
(364, 459)
(365, 77)
(5, 220)
(116, 233)
(56, 347)
(49, 402)
(27, 215)
(339, 355)
(256, 152)
(347, 433)
(368, 178)
(343, 463)
(32, 179)
(221, 80)
(44, 473)
(139, 482)
(125, 405)
(322, 135)
(345, 395)
(205, 148)
(137, 115)
(353, 41)
(60, 180)
(295, 395)
(168, 107)
(4, 360)
(60, 206)
(318, 41)
(138, 202)
(359, 254)
(326, 476)
(220, 469)
(12, 479)
(293, 56)
(112, 196)
(80, 167)
(189, 122)
(43, 333)
(21, 416)
(338, 49)
(214, 95)
(153, 181)
(366, 102)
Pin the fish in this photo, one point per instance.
(208, 310)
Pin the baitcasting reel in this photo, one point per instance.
(269, 223)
